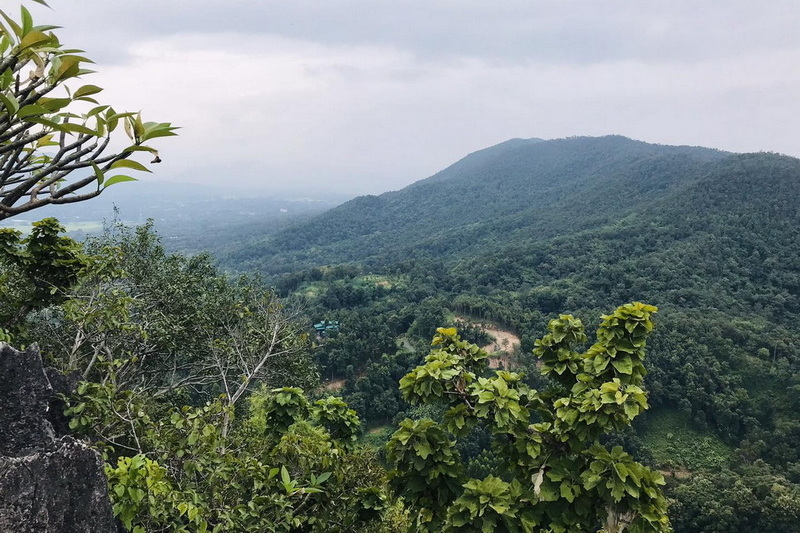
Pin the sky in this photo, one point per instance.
(311, 97)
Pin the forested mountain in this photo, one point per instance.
(521, 231)
(520, 189)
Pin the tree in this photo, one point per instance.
(553, 474)
(142, 319)
(278, 470)
(54, 140)
(36, 270)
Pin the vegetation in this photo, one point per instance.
(55, 139)
(186, 390)
(192, 381)
(578, 225)
(552, 473)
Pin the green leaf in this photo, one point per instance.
(69, 127)
(31, 110)
(10, 103)
(54, 104)
(14, 26)
(129, 163)
(27, 20)
(98, 173)
(623, 365)
(118, 179)
(621, 471)
(32, 39)
(69, 67)
(87, 90)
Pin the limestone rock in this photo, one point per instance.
(48, 484)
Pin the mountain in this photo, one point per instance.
(531, 188)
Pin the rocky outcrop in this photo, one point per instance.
(49, 482)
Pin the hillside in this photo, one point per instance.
(543, 189)
(519, 232)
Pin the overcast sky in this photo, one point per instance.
(368, 96)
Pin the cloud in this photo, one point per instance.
(363, 97)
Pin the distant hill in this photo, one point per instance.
(532, 189)
(515, 234)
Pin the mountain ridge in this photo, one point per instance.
(523, 182)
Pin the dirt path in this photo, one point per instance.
(505, 343)
(679, 473)
(334, 385)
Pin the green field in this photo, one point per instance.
(676, 443)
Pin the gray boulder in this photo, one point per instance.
(49, 483)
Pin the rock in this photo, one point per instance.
(60, 490)
(48, 484)
(25, 394)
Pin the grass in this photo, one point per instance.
(378, 436)
(676, 443)
(371, 280)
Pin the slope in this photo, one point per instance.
(547, 187)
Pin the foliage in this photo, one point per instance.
(342, 423)
(555, 475)
(181, 470)
(754, 499)
(528, 228)
(49, 130)
(153, 322)
(36, 270)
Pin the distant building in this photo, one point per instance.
(326, 327)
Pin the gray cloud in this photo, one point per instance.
(368, 96)
(582, 31)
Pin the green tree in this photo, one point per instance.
(275, 470)
(554, 475)
(55, 137)
(152, 322)
(35, 270)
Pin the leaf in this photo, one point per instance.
(117, 179)
(32, 39)
(631, 410)
(128, 129)
(98, 173)
(76, 128)
(54, 104)
(87, 90)
(129, 163)
(31, 110)
(537, 483)
(621, 471)
(27, 20)
(10, 103)
(623, 365)
(285, 476)
(14, 26)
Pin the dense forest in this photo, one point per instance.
(517, 233)
(190, 373)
